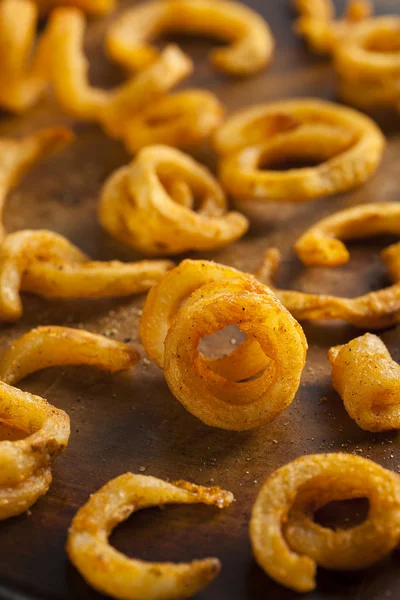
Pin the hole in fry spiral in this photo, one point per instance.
(342, 514)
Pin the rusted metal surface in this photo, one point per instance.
(128, 421)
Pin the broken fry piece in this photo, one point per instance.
(45, 263)
(54, 346)
(141, 205)
(251, 43)
(111, 572)
(368, 381)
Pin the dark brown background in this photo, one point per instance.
(123, 422)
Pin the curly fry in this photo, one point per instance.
(92, 7)
(289, 545)
(139, 205)
(321, 244)
(181, 119)
(45, 263)
(17, 156)
(375, 310)
(111, 572)
(25, 464)
(51, 345)
(251, 43)
(139, 112)
(318, 26)
(24, 69)
(367, 379)
(349, 144)
(163, 301)
(220, 402)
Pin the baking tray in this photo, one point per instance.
(130, 420)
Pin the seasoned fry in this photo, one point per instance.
(92, 7)
(289, 545)
(375, 310)
(141, 205)
(321, 245)
(318, 26)
(210, 396)
(181, 119)
(349, 144)
(17, 156)
(368, 381)
(45, 263)
(139, 112)
(51, 345)
(25, 464)
(111, 572)
(163, 301)
(24, 67)
(251, 43)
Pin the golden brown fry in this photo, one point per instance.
(25, 464)
(375, 310)
(368, 381)
(181, 119)
(139, 112)
(318, 26)
(210, 396)
(111, 572)
(45, 263)
(51, 345)
(17, 156)
(138, 205)
(321, 245)
(24, 68)
(348, 144)
(289, 545)
(92, 7)
(163, 301)
(251, 43)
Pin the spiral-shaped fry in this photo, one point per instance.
(54, 346)
(368, 381)
(45, 263)
(349, 144)
(111, 572)
(24, 68)
(374, 310)
(240, 391)
(251, 43)
(17, 156)
(289, 545)
(26, 464)
(140, 111)
(151, 205)
(321, 245)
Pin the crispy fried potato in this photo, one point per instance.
(45, 263)
(51, 345)
(375, 310)
(111, 572)
(139, 112)
(318, 26)
(24, 68)
(349, 144)
(209, 395)
(289, 545)
(92, 7)
(25, 464)
(141, 205)
(251, 43)
(368, 381)
(17, 156)
(321, 245)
